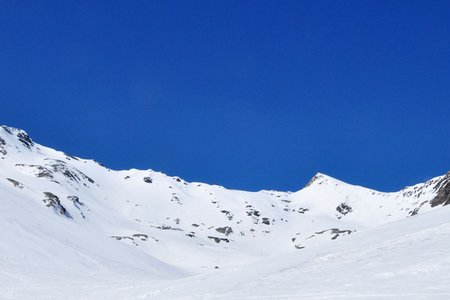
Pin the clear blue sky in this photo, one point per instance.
(246, 94)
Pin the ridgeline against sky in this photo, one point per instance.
(245, 94)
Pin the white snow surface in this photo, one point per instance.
(73, 229)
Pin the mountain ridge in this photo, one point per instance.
(26, 140)
(84, 219)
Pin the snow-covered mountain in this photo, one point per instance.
(70, 220)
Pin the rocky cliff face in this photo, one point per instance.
(442, 188)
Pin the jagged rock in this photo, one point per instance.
(167, 227)
(25, 139)
(337, 232)
(72, 174)
(51, 200)
(148, 179)
(228, 214)
(344, 208)
(40, 171)
(415, 211)
(7, 129)
(218, 239)
(176, 199)
(2, 146)
(76, 200)
(227, 230)
(443, 192)
(253, 213)
(313, 179)
(58, 166)
(141, 236)
(15, 183)
(265, 221)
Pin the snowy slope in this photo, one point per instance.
(67, 219)
(407, 259)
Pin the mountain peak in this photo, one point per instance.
(21, 135)
(321, 178)
(11, 130)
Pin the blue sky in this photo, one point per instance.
(246, 94)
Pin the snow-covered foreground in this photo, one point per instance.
(407, 259)
(73, 229)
